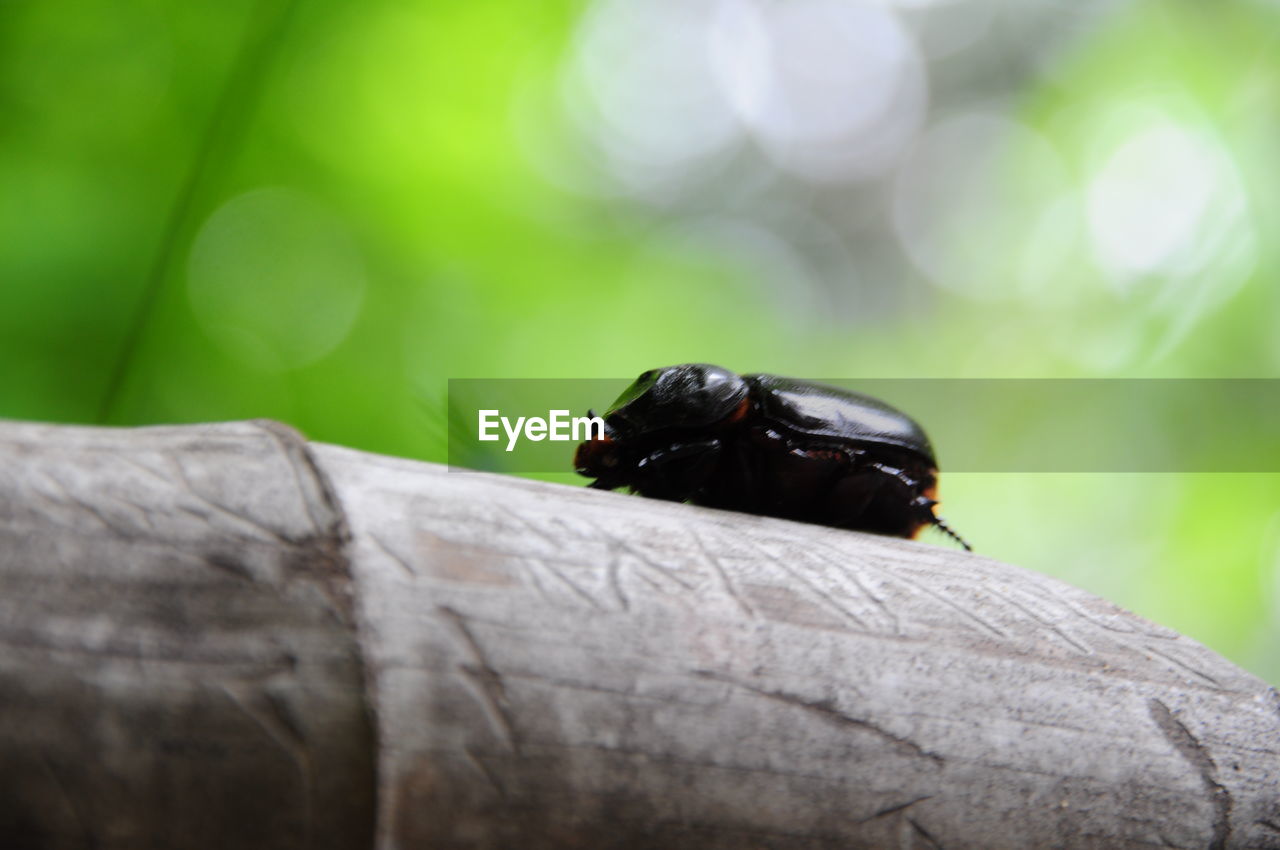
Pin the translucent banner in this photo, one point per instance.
(997, 425)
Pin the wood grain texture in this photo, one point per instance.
(226, 627)
(178, 663)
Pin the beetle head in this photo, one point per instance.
(601, 458)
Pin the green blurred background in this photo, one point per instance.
(319, 212)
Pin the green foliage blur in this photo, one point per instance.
(319, 212)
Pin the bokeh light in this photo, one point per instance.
(1168, 213)
(967, 225)
(655, 113)
(275, 279)
(832, 90)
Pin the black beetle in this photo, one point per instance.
(767, 445)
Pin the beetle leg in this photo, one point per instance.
(894, 472)
(942, 526)
(848, 498)
(923, 503)
(918, 503)
(676, 471)
(800, 483)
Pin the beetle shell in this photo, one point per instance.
(690, 396)
(820, 411)
(768, 445)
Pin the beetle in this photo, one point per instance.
(767, 445)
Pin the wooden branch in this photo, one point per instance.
(225, 637)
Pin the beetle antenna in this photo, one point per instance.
(942, 526)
